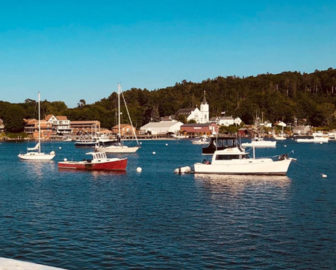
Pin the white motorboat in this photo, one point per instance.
(280, 137)
(234, 160)
(35, 153)
(119, 147)
(317, 137)
(201, 140)
(260, 143)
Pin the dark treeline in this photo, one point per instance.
(283, 96)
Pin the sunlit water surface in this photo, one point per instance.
(155, 219)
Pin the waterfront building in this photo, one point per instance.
(199, 129)
(302, 130)
(162, 127)
(226, 120)
(60, 124)
(125, 130)
(85, 127)
(200, 116)
(31, 128)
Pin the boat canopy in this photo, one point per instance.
(219, 143)
(97, 155)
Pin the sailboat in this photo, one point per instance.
(118, 147)
(35, 153)
(282, 136)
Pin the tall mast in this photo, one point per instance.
(39, 122)
(119, 134)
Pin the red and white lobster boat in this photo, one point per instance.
(99, 162)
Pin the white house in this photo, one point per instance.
(162, 127)
(200, 116)
(227, 121)
(60, 124)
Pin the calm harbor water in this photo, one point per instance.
(90, 220)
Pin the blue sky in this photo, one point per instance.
(70, 50)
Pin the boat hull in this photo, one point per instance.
(314, 140)
(36, 156)
(110, 165)
(264, 144)
(117, 149)
(247, 167)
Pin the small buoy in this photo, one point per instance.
(140, 142)
(154, 153)
(321, 142)
(166, 144)
(285, 145)
(65, 159)
(324, 175)
(60, 148)
(139, 169)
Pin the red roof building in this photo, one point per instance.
(199, 129)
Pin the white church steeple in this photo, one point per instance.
(204, 110)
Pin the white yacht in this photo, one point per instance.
(260, 143)
(202, 140)
(35, 153)
(234, 160)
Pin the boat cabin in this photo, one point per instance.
(219, 143)
(97, 156)
(229, 154)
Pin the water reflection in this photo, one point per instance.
(235, 184)
(95, 174)
(38, 168)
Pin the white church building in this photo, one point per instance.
(199, 115)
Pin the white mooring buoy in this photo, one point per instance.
(324, 175)
(166, 144)
(154, 153)
(65, 159)
(139, 169)
(60, 148)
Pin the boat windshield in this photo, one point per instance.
(227, 157)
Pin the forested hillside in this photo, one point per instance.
(283, 96)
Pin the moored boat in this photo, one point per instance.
(234, 160)
(260, 143)
(118, 147)
(317, 137)
(35, 153)
(201, 140)
(99, 161)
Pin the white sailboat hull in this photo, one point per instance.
(313, 140)
(119, 149)
(36, 156)
(262, 166)
(260, 144)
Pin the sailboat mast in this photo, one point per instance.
(119, 133)
(39, 122)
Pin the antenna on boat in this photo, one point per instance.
(119, 90)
